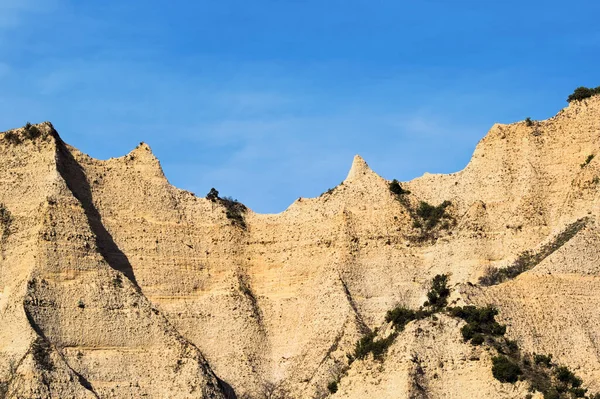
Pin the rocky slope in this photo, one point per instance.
(114, 284)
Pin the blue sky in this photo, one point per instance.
(268, 100)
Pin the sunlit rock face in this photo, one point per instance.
(115, 284)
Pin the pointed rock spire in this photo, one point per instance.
(359, 169)
(143, 152)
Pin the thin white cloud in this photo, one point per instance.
(12, 12)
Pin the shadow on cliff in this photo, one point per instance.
(46, 346)
(226, 389)
(76, 179)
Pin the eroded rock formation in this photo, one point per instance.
(115, 284)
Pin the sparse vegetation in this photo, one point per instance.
(244, 287)
(370, 344)
(481, 328)
(437, 297)
(270, 390)
(5, 384)
(117, 281)
(213, 195)
(581, 93)
(505, 370)
(427, 217)
(12, 138)
(494, 275)
(40, 350)
(397, 189)
(6, 220)
(480, 321)
(553, 381)
(332, 386)
(528, 259)
(431, 215)
(587, 161)
(331, 190)
(510, 365)
(543, 360)
(529, 122)
(31, 132)
(477, 339)
(234, 210)
(566, 376)
(400, 316)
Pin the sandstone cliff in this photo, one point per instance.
(115, 284)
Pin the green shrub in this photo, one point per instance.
(397, 189)
(234, 210)
(587, 161)
(578, 392)
(213, 195)
(544, 360)
(538, 377)
(432, 215)
(400, 317)
(477, 339)
(479, 321)
(505, 370)
(31, 132)
(467, 331)
(437, 297)
(582, 93)
(511, 345)
(369, 344)
(563, 374)
(332, 386)
(12, 138)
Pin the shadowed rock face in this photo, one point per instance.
(77, 182)
(138, 288)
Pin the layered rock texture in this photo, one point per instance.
(115, 284)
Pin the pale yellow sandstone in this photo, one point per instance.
(144, 290)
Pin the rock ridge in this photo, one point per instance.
(142, 289)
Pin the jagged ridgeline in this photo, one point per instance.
(483, 283)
